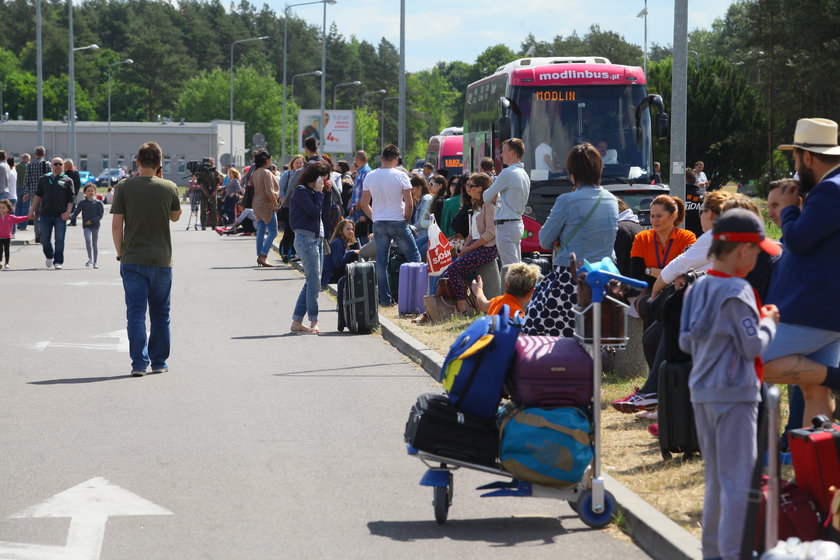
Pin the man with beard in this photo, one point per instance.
(806, 350)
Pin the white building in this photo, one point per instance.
(180, 141)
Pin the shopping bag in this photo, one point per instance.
(440, 253)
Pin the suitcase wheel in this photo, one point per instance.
(589, 517)
(442, 499)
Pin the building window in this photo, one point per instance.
(120, 160)
(83, 162)
(105, 161)
(166, 164)
(182, 165)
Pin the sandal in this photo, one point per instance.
(300, 330)
(422, 318)
(314, 329)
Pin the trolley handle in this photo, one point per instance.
(598, 280)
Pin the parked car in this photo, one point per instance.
(109, 177)
(86, 177)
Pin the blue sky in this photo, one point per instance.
(455, 30)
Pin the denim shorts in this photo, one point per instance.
(820, 345)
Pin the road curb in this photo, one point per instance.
(650, 529)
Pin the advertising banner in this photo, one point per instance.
(340, 130)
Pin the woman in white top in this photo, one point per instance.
(696, 256)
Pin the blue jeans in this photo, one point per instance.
(311, 253)
(266, 233)
(48, 224)
(152, 286)
(21, 209)
(383, 232)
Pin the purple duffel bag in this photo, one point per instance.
(550, 371)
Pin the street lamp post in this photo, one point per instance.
(644, 14)
(72, 91)
(335, 89)
(285, 51)
(230, 146)
(126, 61)
(315, 73)
(364, 95)
(382, 123)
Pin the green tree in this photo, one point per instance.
(256, 100)
(725, 119)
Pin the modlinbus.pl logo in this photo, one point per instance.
(578, 75)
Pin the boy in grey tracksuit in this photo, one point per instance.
(725, 329)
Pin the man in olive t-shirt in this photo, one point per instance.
(142, 209)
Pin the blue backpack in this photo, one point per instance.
(547, 446)
(478, 362)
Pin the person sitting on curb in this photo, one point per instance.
(520, 280)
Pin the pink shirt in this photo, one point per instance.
(7, 222)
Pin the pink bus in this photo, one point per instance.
(553, 103)
(446, 152)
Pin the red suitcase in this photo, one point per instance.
(816, 459)
(550, 371)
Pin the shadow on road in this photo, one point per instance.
(336, 371)
(499, 531)
(74, 380)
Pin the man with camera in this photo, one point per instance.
(208, 182)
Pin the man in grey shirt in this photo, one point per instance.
(510, 193)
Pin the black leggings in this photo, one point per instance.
(4, 248)
(287, 247)
(653, 343)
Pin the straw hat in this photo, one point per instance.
(815, 135)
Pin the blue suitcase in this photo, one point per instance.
(478, 362)
(414, 278)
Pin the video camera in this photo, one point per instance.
(200, 167)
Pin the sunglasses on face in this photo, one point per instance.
(58, 164)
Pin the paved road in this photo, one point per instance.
(257, 444)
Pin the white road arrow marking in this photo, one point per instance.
(88, 505)
(121, 346)
(83, 284)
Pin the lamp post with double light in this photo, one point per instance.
(126, 61)
(71, 97)
(315, 73)
(285, 52)
(230, 146)
(382, 124)
(364, 96)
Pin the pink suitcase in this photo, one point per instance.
(550, 371)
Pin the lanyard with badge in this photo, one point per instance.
(659, 262)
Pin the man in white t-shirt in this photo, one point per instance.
(544, 158)
(390, 190)
(701, 180)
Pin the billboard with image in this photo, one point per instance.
(340, 130)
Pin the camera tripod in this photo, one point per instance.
(194, 194)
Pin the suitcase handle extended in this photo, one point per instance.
(598, 280)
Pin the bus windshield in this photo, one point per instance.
(552, 119)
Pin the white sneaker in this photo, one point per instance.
(95, 265)
(48, 263)
(88, 264)
(58, 267)
(8, 266)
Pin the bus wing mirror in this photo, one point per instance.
(663, 126)
(504, 126)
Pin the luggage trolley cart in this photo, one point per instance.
(588, 498)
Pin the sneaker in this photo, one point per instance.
(88, 264)
(8, 266)
(635, 402)
(95, 265)
(48, 263)
(137, 373)
(653, 430)
(58, 266)
(163, 369)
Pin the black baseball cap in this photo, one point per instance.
(742, 226)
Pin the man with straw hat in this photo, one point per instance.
(806, 350)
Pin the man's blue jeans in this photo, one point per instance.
(311, 253)
(147, 286)
(48, 225)
(384, 232)
(266, 233)
(21, 209)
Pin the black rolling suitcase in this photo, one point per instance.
(436, 426)
(677, 430)
(539, 260)
(358, 298)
